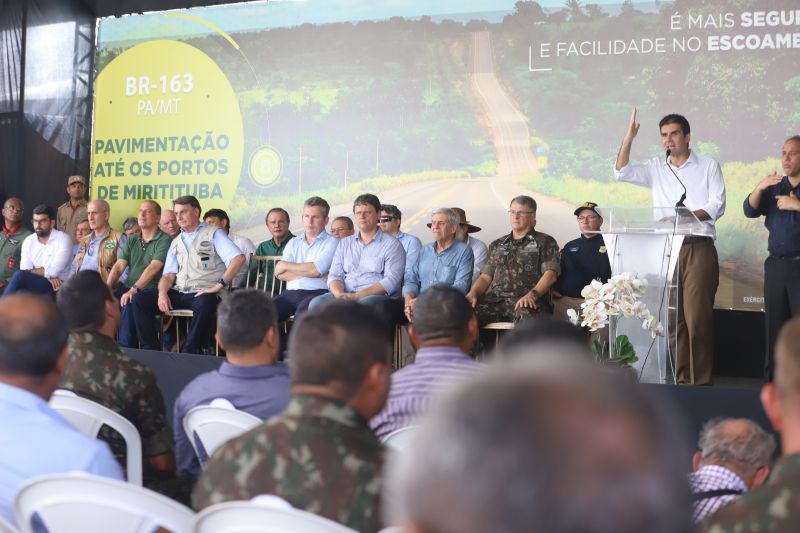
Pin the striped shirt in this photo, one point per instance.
(710, 478)
(415, 386)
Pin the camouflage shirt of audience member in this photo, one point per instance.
(98, 370)
(516, 265)
(772, 508)
(319, 455)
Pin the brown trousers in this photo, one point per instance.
(691, 337)
(563, 303)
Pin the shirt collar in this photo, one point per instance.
(321, 237)
(693, 159)
(21, 397)
(18, 226)
(379, 236)
(441, 352)
(317, 406)
(510, 237)
(252, 372)
(187, 233)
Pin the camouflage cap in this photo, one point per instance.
(76, 179)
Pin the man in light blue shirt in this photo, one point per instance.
(201, 262)
(445, 260)
(35, 439)
(250, 378)
(368, 266)
(390, 221)
(306, 261)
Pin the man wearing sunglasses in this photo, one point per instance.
(390, 221)
(582, 260)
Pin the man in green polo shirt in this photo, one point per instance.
(11, 239)
(277, 220)
(144, 255)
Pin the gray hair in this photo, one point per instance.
(551, 443)
(244, 317)
(452, 217)
(527, 201)
(103, 205)
(736, 441)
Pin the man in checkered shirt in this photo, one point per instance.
(733, 457)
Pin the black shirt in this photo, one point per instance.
(783, 226)
(582, 260)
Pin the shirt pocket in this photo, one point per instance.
(371, 264)
(444, 274)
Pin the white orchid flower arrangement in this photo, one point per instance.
(605, 302)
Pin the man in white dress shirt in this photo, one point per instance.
(699, 268)
(45, 258)
(219, 218)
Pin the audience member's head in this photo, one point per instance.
(738, 444)
(342, 227)
(43, 220)
(98, 212)
(76, 188)
(149, 215)
(781, 399)
(444, 225)
(529, 336)
(342, 349)
(277, 221)
(82, 229)
(315, 215)
(390, 219)
(217, 218)
(88, 304)
(33, 340)
(366, 210)
(12, 212)
(247, 327)
(444, 317)
(131, 226)
(187, 212)
(168, 223)
(551, 444)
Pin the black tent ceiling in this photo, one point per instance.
(116, 8)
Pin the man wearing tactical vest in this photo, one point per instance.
(98, 250)
(200, 263)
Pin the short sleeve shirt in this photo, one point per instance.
(139, 254)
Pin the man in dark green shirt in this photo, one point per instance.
(277, 220)
(143, 256)
(11, 239)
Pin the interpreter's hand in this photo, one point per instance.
(472, 299)
(633, 127)
(126, 298)
(526, 301)
(163, 302)
(788, 202)
(768, 181)
(55, 282)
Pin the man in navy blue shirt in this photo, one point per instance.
(250, 378)
(582, 260)
(778, 199)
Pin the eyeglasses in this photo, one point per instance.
(588, 218)
(514, 213)
(13, 208)
(386, 218)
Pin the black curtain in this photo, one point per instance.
(46, 75)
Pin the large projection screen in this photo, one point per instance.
(441, 104)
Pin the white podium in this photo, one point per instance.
(646, 241)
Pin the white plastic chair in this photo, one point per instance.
(263, 514)
(400, 439)
(6, 527)
(88, 417)
(77, 501)
(216, 423)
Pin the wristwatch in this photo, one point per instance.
(222, 282)
(135, 289)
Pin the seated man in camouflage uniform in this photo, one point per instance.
(98, 370)
(515, 281)
(11, 239)
(319, 454)
(774, 507)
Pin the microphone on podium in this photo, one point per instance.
(680, 202)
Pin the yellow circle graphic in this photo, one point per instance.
(265, 166)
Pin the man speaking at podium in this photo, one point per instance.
(682, 178)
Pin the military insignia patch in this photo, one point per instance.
(602, 249)
(11, 263)
(110, 245)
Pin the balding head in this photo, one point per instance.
(787, 359)
(566, 444)
(98, 212)
(738, 444)
(33, 334)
